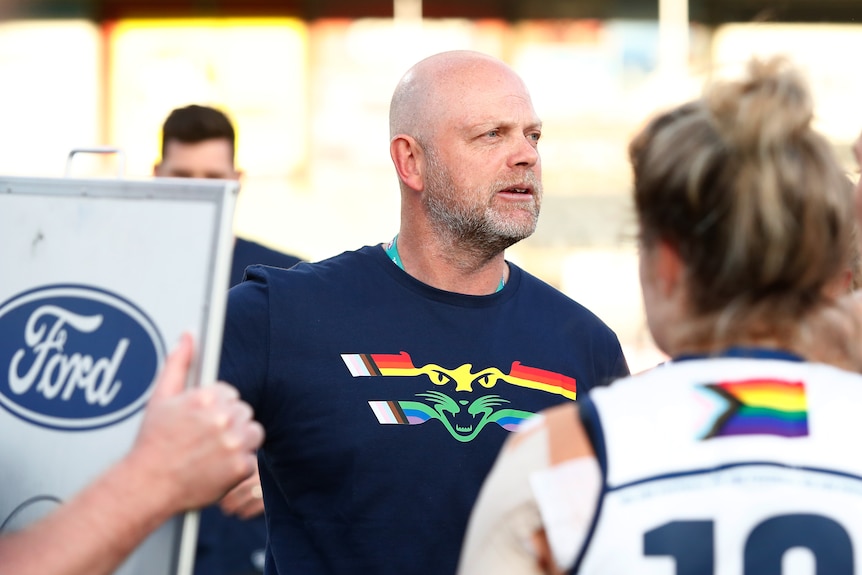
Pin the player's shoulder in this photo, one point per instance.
(689, 381)
(559, 428)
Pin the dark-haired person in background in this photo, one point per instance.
(200, 142)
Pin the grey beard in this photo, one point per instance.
(472, 230)
(476, 231)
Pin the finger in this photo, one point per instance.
(252, 508)
(245, 500)
(172, 379)
(254, 436)
(240, 412)
(222, 393)
(242, 491)
(234, 498)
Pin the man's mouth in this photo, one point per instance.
(517, 190)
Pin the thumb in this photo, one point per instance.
(172, 379)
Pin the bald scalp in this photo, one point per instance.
(421, 96)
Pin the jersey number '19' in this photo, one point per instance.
(692, 545)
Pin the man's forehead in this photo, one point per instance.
(211, 158)
(510, 111)
(215, 153)
(213, 146)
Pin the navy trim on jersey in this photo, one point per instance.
(593, 428)
(731, 466)
(746, 353)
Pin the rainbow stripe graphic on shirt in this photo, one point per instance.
(415, 412)
(463, 415)
(759, 407)
(385, 364)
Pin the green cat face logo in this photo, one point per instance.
(463, 418)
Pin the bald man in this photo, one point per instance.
(387, 378)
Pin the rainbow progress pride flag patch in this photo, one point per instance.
(758, 407)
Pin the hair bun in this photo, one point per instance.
(769, 106)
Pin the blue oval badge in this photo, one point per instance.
(76, 357)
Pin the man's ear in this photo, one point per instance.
(157, 168)
(409, 159)
(238, 175)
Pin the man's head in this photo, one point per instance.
(464, 140)
(197, 142)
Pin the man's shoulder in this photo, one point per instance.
(327, 273)
(247, 252)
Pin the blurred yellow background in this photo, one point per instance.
(310, 102)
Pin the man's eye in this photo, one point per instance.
(535, 137)
(493, 133)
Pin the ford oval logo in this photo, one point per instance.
(76, 357)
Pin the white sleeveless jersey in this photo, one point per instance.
(728, 466)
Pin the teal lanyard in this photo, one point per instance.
(392, 252)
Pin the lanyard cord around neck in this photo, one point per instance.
(392, 252)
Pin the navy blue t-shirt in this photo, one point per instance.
(385, 402)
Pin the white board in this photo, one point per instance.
(98, 280)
